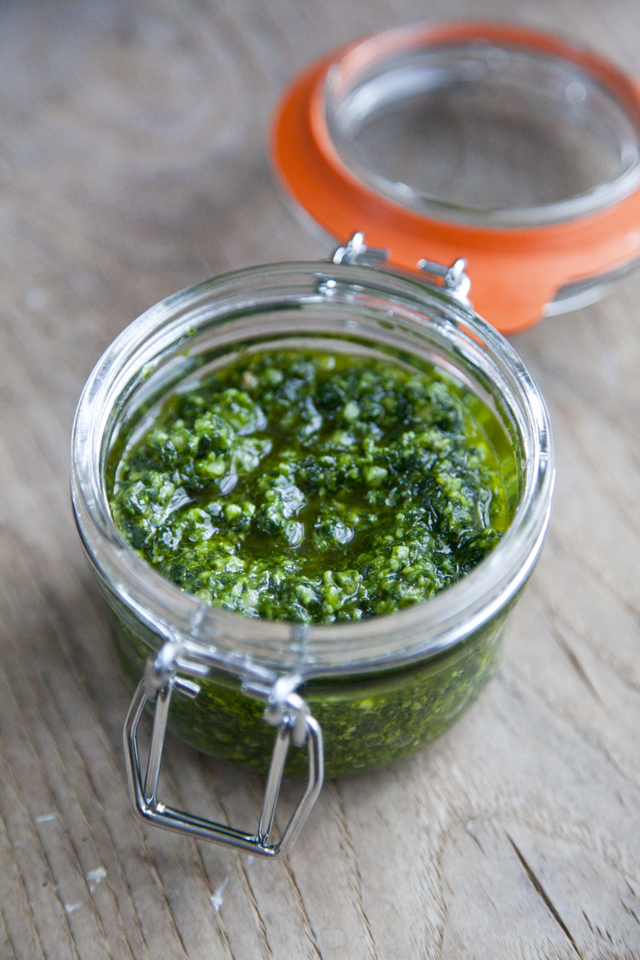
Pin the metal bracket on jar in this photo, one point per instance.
(284, 709)
(453, 279)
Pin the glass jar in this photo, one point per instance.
(370, 691)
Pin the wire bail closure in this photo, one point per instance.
(453, 279)
(284, 709)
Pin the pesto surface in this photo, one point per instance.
(313, 487)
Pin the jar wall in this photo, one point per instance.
(367, 720)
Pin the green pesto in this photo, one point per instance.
(313, 487)
(318, 487)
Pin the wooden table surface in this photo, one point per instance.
(132, 164)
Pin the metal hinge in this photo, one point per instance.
(453, 279)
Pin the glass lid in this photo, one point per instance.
(485, 133)
(511, 148)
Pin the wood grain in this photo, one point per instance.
(133, 163)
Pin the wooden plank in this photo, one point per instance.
(133, 163)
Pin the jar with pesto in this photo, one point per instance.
(318, 486)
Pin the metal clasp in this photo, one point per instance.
(284, 709)
(453, 279)
(356, 251)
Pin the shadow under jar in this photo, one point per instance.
(379, 688)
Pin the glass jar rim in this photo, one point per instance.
(381, 642)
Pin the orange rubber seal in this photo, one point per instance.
(515, 271)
